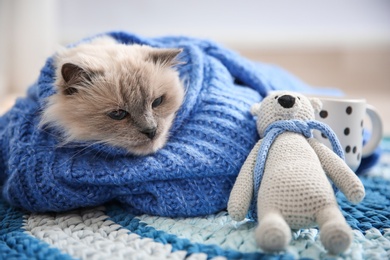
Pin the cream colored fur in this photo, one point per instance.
(115, 77)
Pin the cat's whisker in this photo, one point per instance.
(79, 152)
(63, 143)
(41, 128)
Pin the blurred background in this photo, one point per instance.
(342, 44)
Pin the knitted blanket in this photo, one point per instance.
(110, 232)
(191, 176)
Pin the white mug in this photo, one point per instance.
(346, 118)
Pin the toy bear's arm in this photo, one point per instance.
(339, 172)
(242, 192)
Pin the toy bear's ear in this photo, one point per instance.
(316, 103)
(255, 109)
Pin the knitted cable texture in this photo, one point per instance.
(191, 176)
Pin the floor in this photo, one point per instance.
(359, 72)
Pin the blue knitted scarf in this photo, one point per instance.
(192, 175)
(272, 132)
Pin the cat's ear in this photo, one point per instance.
(166, 57)
(73, 74)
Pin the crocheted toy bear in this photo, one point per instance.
(287, 174)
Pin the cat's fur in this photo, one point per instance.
(94, 80)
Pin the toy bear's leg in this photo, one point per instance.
(273, 234)
(335, 234)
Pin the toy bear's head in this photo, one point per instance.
(284, 105)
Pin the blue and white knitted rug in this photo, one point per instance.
(110, 232)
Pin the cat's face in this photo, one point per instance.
(125, 96)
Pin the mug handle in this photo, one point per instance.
(376, 134)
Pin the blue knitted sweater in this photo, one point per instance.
(192, 175)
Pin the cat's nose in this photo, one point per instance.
(286, 101)
(149, 132)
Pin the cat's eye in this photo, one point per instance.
(118, 114)
(157, 102)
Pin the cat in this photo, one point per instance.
(121, 95)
